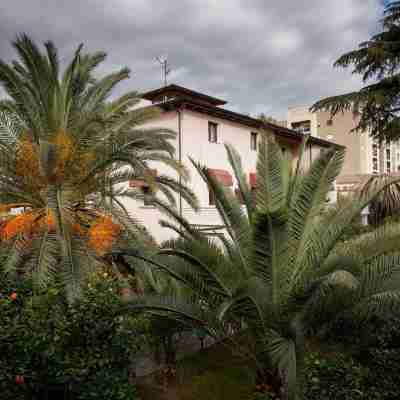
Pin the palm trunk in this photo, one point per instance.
(55, 204)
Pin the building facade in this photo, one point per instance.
(364, 156)
(202, 127)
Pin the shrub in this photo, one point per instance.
(232, 382)
(84, 349)
(342, 377)
(335, 377)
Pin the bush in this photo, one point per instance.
(343, 377)
(336, 377)
(84, 349)
(232, 382)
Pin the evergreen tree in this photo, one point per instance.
(378, 61)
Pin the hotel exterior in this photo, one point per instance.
(202, 126)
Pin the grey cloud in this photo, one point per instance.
(260, 55)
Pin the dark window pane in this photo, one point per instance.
(253, 140)
(212, 132)
(211, 197)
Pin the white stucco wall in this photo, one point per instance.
(195, 144)
(148, 215)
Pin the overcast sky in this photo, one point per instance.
(259, 55)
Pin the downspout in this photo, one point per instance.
(180, 156)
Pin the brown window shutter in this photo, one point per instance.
(141, 183)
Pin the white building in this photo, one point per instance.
(202, 127)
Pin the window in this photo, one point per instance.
(375, 165)
(303, 127)
(374, 150)
(212, 132)
(147, 196)
(211, 197)
(329, 122)
(388, 167)
(253, 141)
(387, 154)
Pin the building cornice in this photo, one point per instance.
(232, 116)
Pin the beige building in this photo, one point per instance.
(364, 156)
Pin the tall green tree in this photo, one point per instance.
(281, 269)
(67, 152)
(377, 60)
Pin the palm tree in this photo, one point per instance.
(281, 269)
(387, 203)
(67, 151)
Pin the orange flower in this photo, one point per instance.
(78, 228)
(27, 164)
(20, 223)
(102, 234)
(65, 149)
(51, 225)
(13, 296)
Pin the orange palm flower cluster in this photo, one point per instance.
(21, 223)
(27, 163)
(50, 222)
(102, 234)
(65, 149)
(78, 229)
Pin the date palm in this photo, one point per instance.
(67, 151)
(387, 204)
(281, 269)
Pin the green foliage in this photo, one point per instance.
(339, 376)
(84, 346)
(377, 61)
(68, 149)
(358, 361)
(265, 396)
(108, 385)
(286, 267)
(355, 229)
(387, 204)
(236, 383)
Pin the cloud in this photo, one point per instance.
(259, 55)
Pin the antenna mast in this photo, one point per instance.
(165, 69)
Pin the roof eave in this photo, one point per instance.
(244, 119)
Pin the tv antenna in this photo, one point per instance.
(165, 69)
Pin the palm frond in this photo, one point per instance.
(245, 191)
(231, 213)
